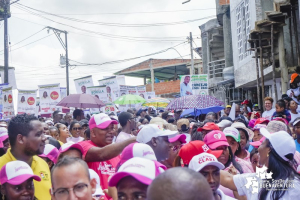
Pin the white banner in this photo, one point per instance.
(27, 101)
(11, 77)
(131, 90)
(63, 92)
(2, 86)
(100, 93)
(49, 98)
(150, 95)
(141, 91)
(8, 103)
(194, 85)
(82, 83)
(112, 86)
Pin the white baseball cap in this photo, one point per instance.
(101, 121)
(152, 131)
(143, 170)
(202, 160)
(232, 132)
(16, 172)
(50, 152)
(224, 123)
(281, 141)
(65, 147)
(3, 136)
(94, 175)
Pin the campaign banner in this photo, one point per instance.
(8, 103)
(132, 90)
(49, 98)
(63, 92)
(11, 77)
(141, 91)
(194, 85)
(150, 95)
(112, 86)
(100, 93)
(82, 83)
(27, 102)
(5, 85)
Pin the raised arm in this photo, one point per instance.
(227, 180)
(98, 154)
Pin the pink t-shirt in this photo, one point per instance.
(123, 136)
(247, 158)
(104, 169)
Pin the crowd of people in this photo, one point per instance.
(154, 154)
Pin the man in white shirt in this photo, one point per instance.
(269, 111)
(209, 166)
(185, 89)
(128, 123)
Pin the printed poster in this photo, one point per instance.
(112, 86)
(1, 98)
(194, 85)
(63, 92)
(141, 91)
(82, 83)
(27, 101)
(150, 95)
(49, 98)
(8, 103)
(132, 90)
(100, 93)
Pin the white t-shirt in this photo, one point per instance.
(296, 93)
(223, 196)
(240, 181)
(75, 140)
(123, 136)
(268, 114)
(185, 88)
(294, 116)
(188, 137)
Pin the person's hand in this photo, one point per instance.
(292, 94)
(284, 116)
(232, 170)
(111, 191)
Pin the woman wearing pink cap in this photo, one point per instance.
(16, 179)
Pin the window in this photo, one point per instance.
(243, 29)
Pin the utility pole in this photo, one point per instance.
(6, 4)
(192, 53)
(152, 75)
(57, 33)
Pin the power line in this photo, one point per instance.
(116, 24)
(129, 13)
(26, 38)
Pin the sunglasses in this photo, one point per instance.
(79, 128)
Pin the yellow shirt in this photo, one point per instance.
(60, 142)
(40, 168)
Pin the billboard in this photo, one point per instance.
(27, 101)
(112, 86)
(194, 85)
(8, 103)
(49, 97)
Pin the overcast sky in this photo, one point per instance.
(38, 63)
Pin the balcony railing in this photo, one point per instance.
(215, 68)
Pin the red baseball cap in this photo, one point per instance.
(261, 120)
(191, 149)
(255, 113)
(245, 102)
(209, 126)
(215, 139)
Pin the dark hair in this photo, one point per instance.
(53, 128)
(64, 122)
(67, 161)
(141, 120)
(58, 125)
(281, 170)
(212, 113)
(148, 118)
(233, 161)
(72, 124)
(54, 142)
(130, 111)
(225, 117)
(281, 103)
(124, 117)
(20, 124)
(171, 120)
(165, 115)
(55, 113)
(284, 96)
(76, 113)
(87, 133)
(253, 152)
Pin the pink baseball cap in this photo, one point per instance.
(177, 137)
(258, 143)
(16, 172)
(65, 147)
(50, 152)
(143, 170)
(137, 150)
(101, 121)
(3, 136)
(215, 139)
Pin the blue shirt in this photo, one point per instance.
(297, 146)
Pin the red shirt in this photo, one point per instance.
(104, 169)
